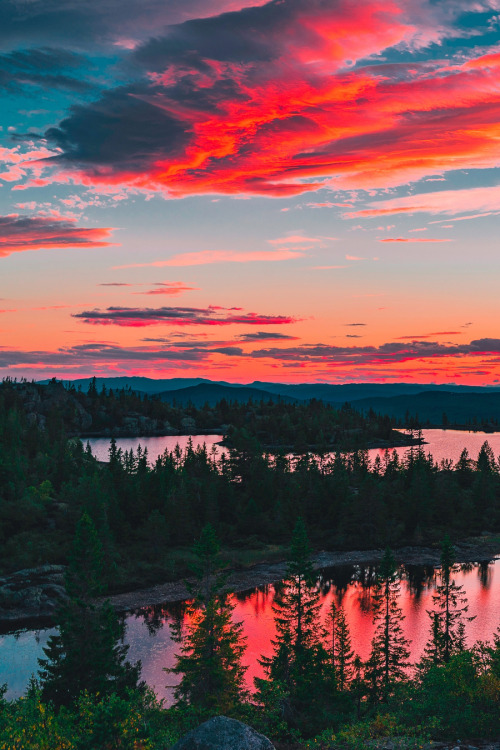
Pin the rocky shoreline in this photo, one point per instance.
(29, 598)
(268, 573)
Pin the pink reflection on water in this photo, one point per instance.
(254, 609)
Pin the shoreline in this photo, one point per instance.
(18, 618)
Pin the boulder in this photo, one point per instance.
(31, 594)
(221, 733)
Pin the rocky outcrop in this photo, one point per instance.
(81, 415)
(31, 594)
(38, 402)
(221, 733)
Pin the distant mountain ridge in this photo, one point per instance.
(433, 406)
(335, 393)
(211, 393)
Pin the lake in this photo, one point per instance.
(148, 634)
(441, 444)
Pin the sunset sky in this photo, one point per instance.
(294, 190)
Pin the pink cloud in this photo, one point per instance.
(412, 239)
(417, 337)
(170, 288)
(206, 257)
(450, 202)
(294, 239)
(325, 268)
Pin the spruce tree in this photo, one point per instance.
(388, 661)
(449, 615)
(342, 655)
(212, 676)
(88, 652)
(295, 671)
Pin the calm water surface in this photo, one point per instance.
(148, 632)
(155, 445)
(441, 444)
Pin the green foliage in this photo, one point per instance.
(460, 698)
(134, 721)
(130, 517)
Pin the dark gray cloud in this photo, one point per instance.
(265, 336)
(96, 353)
(46, 68)
(377, 355)
(244, 37)
(106, 354)
(94, 22)
(120, 128)
(137, 317)
(132, 127)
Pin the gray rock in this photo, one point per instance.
(221, 733)
(31, 593)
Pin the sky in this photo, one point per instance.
(290, 191)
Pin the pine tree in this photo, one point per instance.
(88, 652)
(389, 656)
(212, 676)
(295, 671)
(449, 616)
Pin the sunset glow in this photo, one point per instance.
(293, 190)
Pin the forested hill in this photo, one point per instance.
(212, 393)
(273, 421)
(439, 408)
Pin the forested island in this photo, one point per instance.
(126, 523)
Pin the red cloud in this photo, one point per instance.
(267, 101)
(19, 233)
